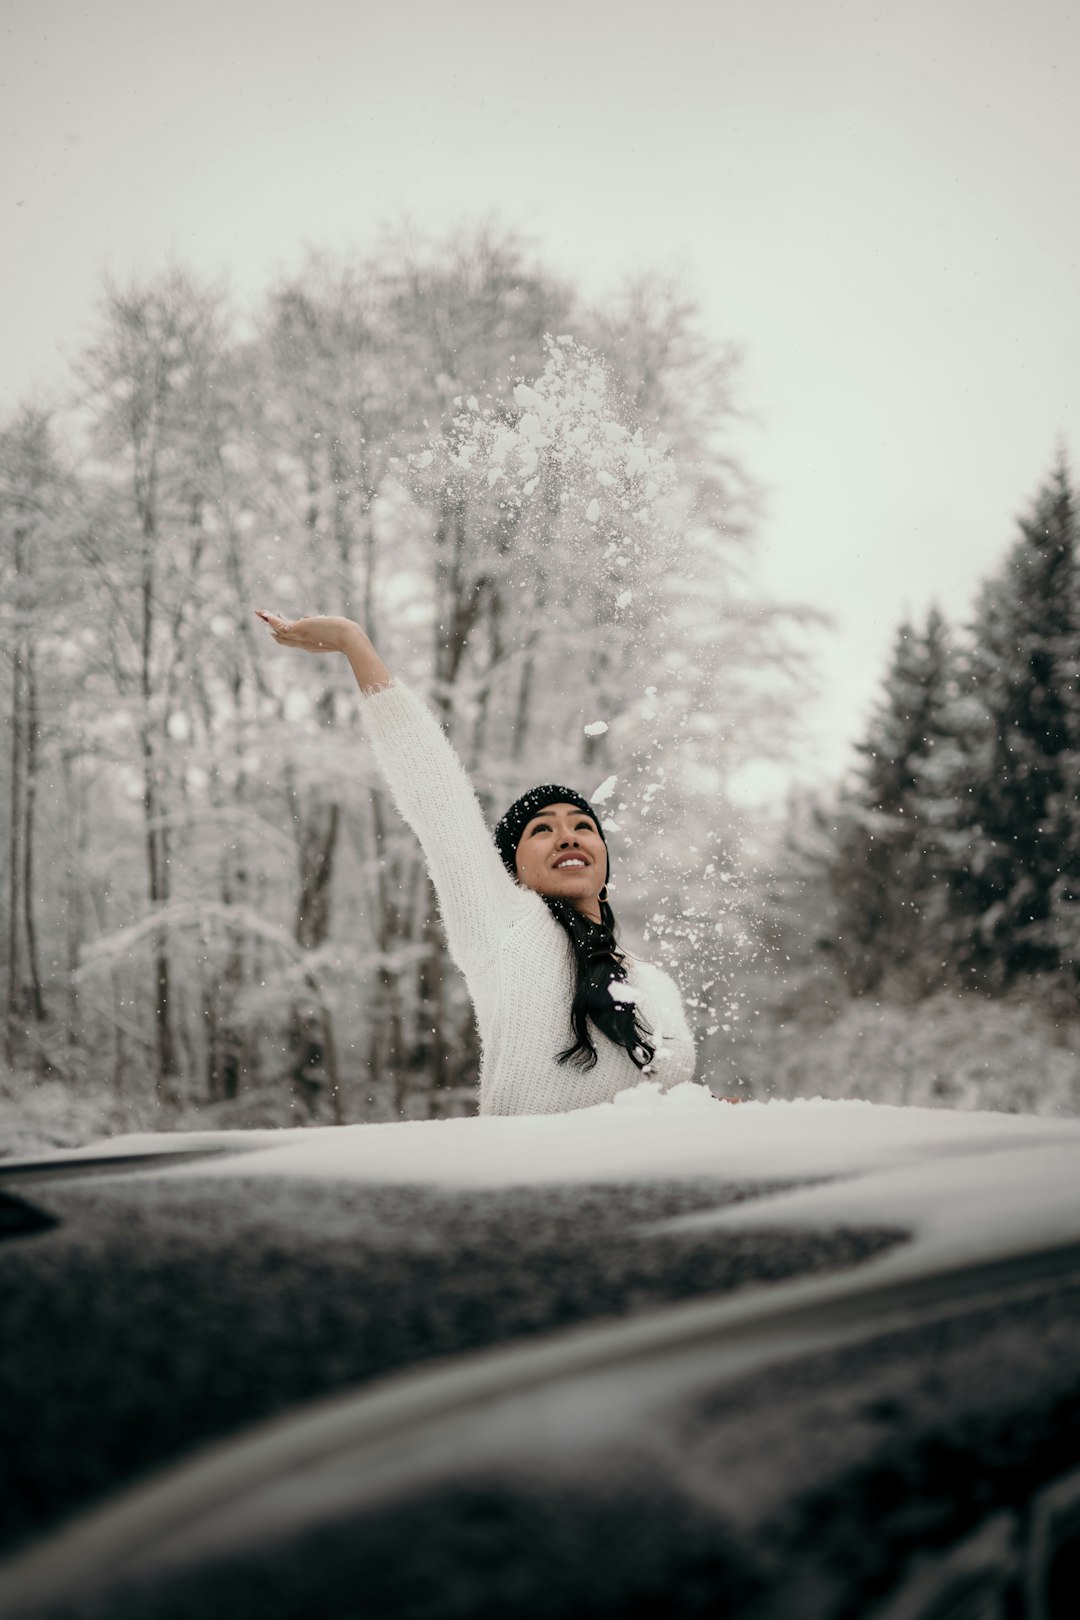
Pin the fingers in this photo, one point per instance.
(296, 632)
(278, 626)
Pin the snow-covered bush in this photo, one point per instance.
(950, 1051)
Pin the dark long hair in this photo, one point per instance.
(598, 965)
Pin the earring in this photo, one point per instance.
(603, 892)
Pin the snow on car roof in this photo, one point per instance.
(967, 1185)
(646, 1132)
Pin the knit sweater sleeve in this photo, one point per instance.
(478, 899)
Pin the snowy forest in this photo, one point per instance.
(212, 912)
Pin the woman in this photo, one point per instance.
(567, 1017)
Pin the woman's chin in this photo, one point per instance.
(576, 891)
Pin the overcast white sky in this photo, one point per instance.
(877, 200)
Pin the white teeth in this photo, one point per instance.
(561, 864)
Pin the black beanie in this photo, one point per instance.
(512, 825)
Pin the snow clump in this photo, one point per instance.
(651, 1094)
(564, 461)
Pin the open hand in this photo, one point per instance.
(311, 633)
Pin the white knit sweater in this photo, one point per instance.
(517, 960)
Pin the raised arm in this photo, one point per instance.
(478, 898)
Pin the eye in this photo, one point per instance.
(541, 826)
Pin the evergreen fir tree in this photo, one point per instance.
(880, 875)
(946, 777)
(796, 914)
(1015, 887)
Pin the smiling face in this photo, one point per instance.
(562, 853)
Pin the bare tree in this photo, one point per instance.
(30, 494)
(150, 392)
